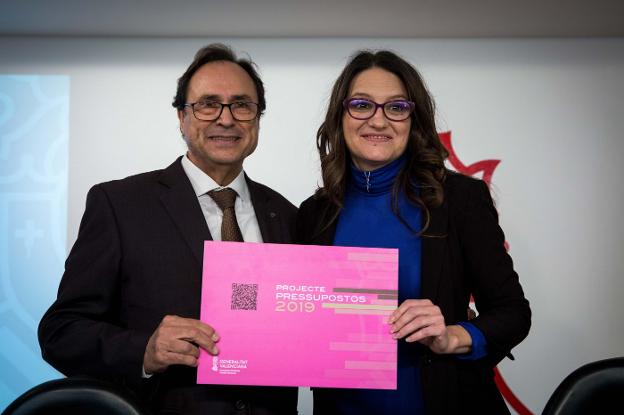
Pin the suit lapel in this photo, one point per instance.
(268, 217)
(434, 242)
(180, 202)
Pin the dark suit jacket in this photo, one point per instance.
(462, 253)
(138, 257)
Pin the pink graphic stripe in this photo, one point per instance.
(384, 302)
(369, 338)
(363, 347)
(362, 312)
(359, 364)
(348, 306)
(360, 257)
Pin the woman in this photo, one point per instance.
(385, 185)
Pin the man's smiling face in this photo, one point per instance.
(222, 144)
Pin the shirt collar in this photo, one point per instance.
(202, 183)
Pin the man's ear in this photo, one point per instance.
(181, 115)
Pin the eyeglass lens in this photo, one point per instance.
(364, 109)
(241, 111)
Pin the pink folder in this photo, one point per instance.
(295, 315)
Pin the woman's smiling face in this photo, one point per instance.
(375, 142)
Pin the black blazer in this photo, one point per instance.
(138, 257)
(462, 253)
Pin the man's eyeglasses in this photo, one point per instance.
(211, 110)
(363, 109)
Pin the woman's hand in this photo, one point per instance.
(422, 321)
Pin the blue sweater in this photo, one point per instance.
(367, 220)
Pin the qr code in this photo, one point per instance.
(244, 296)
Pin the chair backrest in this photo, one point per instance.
(595, 388)
(72, 396)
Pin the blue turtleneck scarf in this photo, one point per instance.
(367, 220)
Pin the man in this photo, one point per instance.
(129, 300)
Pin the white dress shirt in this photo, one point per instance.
(245, 213)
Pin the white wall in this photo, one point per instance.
(551, 110)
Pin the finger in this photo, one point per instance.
(204, 328)
(190, 330)
(172, 352)
(429, 333)
(179, 338)
(171, 321)
(195, 336)
(180, 347)
(406, 306)
(417, 324)
(412, 313)
(157, 361)
(171, 358)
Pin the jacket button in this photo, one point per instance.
(240, 405)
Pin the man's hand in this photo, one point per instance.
(422, 321)
(176, 341)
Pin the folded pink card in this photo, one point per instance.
(295, 315)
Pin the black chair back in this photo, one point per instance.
(595, 388)
(73, 396)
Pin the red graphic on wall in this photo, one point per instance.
(485, 168)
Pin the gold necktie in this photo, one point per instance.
(225, 199)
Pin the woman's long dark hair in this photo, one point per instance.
(422, 176)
